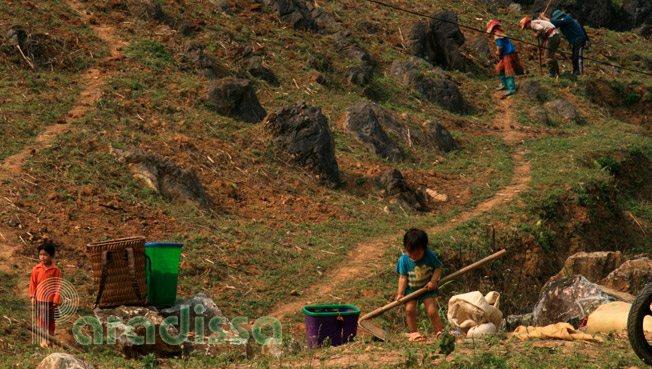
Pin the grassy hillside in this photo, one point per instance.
(273, 228)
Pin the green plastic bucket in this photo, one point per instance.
(163, 277)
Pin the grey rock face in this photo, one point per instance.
(164, 177)
(364, 125)
(302, 134)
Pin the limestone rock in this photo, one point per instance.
(164, 177)
(631, 276)
(540, 115)
(562, 108)
(364, 125)
(438, 40)
(235, 98)
(59, 360)
(594, 266)
(531, 89)
(437, 90)
(392, 185)
(302, 134)
(439, 136)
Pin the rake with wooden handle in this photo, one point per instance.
(380, 333)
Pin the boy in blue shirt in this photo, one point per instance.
(419, 267)
(575, 35)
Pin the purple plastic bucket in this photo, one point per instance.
(338, 323)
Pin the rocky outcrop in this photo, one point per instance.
(480, 48)
(438, 40)
(59, 360)
(439, 136)
(594, 266)
(151, 10)
(539, 114)
(235, 98)
(302, 135)
(631, 276)
(562, 108)
(632, 13)
(362, 72)
(363, 123)
(418, 74)
(391, 185)
(531, 89)
(164, 177)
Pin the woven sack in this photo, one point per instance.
(119, 271)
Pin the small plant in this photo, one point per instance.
(149, 361)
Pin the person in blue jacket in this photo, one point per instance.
(574, 34)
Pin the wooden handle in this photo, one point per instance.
(547, 6)
(423, 290)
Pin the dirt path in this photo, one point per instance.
(505, 128)
(91, 83)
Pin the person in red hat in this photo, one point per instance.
(509, 64)
(549, 39)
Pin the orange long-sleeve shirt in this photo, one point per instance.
(45, 283)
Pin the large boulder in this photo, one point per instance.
(235, 98)
(302, 134)
(164, 177)
(439, 136)
(594, 266)
(539, 114)
(410, 135)
(598, 13)
(59, 360)
(562, 108)
(631, 276)
(432, 86)
(364, 125)
(531, 89)
(572, 299)
(391, 185)
(438, 40)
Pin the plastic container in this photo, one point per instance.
(164, 275)
(338, 323)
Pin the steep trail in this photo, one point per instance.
(91, 83)
(504, 128)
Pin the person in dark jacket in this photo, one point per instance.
(574, 34)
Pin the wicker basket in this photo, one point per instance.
(119, 271)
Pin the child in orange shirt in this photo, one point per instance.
(44, 289)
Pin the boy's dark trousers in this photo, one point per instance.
(578, 57)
